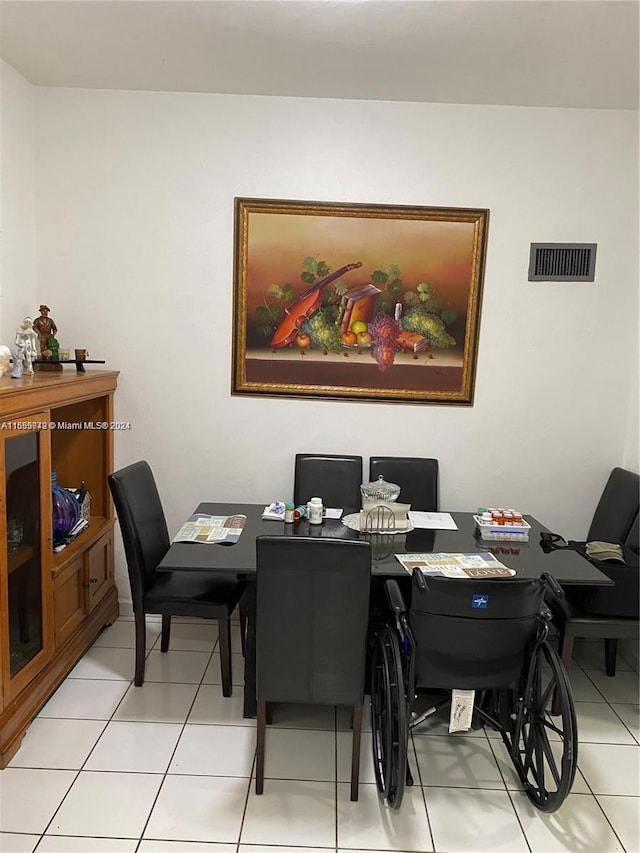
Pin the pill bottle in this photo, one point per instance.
(289, 510)
(314, 511)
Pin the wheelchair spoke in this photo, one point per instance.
(539, 753)
(553, 728)
(544, 699)
(550, 758)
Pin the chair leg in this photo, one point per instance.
(242, 611)
(565, 649)
(141, 630)
(610, 652)
(260, 739)
(224, 644)
(166, 633)
(355, 751)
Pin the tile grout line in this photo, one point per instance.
(422, 791)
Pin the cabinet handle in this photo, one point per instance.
(92, 580)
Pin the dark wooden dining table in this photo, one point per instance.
(239, 559)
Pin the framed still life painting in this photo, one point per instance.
(355, 301)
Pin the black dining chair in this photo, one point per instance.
(335, 479)
(146, 541)
(605, 612)
(311, 630)
(416, 476)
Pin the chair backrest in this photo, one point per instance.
(474, 634)
(311, 619)
(633, 537)
(617, 509)
(335, 479)
(416, 476)
(142, 523)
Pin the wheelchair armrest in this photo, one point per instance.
(396, 601)
(553, 584)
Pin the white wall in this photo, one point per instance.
(135, 257)
(17, 202)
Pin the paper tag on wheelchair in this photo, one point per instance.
(461, 710)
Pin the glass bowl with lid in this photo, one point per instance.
(379, 490)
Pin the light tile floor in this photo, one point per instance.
(167, 768)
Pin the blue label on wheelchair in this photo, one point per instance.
(479, 600)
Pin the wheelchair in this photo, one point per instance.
(489, 636)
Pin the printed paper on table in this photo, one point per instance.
(456, 565)
(211, 529)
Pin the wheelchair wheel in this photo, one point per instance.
(390, 730)
(544, 748)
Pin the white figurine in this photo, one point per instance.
(5, 359)
(27, 343)
(18, 359)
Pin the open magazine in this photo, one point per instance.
(204, 528)
(483, 565)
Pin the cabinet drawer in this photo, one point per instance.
(69, 600)
(100, 569)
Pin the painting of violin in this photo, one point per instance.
(304, 306)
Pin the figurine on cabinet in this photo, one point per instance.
(27, 344)
(18, 358)
(53, 347)
(5, 360)
(45, 328)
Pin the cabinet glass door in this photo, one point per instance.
(25, 598)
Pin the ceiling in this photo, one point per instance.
(554, 53)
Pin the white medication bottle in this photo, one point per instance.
(314, 511)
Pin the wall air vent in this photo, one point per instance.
(562, 262)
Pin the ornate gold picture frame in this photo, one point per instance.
(356, 301)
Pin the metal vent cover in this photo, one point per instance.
(562, 262)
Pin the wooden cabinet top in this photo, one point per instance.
(45, 389)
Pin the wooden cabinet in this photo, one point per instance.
(80, 585)
(52, 604)
(68, 601)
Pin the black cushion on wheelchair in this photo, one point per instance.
(474, 634)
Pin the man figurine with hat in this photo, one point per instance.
(46, 328)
